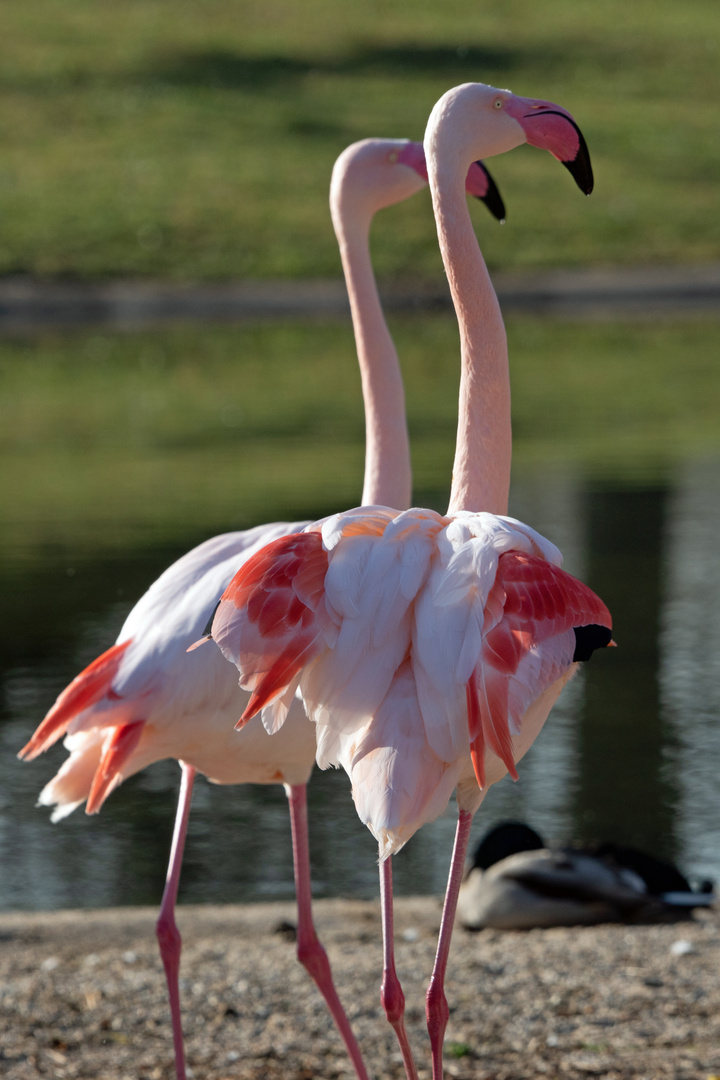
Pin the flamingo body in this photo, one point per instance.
(427, 649)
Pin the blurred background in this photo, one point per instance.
(192, 142)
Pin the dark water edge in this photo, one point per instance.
(631, 752)
(30, 307)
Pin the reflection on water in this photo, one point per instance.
(689, 668)
(622, 790)
(631, 752)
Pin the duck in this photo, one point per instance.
(515, 881)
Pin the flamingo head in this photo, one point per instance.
(476, 120)
(372, 174)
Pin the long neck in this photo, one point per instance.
(388, 478)
(481, 471)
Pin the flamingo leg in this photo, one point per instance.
(166, 929)
(310, 952)
(436, 1006)
(391, 992)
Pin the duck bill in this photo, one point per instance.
(481, 185)
(550, 127)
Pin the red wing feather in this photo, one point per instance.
(86, 689)
(488, 726)
(124, 739)
(477, 743)
(541, 601)
(265, 622)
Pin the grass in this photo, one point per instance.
(108, 440)
(457, 1050)
(195, 141)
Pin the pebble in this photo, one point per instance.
(608, 1001)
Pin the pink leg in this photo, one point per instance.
(391, 992)
(310, 952)
(166, 929)
(436, 1006)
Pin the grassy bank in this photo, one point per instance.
(104, 438)
(196, 140)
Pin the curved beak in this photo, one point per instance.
(480, 185)
(550, 127)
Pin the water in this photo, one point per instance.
(631, 752)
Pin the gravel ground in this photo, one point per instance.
(82, 994)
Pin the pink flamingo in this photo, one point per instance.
(144, 699)
(353, 202)
(428, 649)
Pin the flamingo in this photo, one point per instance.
(353, 201)
(428, 648)
(144, 699)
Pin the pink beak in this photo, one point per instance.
(550, 127)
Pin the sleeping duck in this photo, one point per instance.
(515, 882)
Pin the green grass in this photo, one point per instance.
(457, 1050)
(195, 140)
(106, 440)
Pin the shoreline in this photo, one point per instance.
(29, 306)
(82, 994)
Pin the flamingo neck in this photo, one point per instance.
(388, 478)
(481, 470)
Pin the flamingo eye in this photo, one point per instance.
(393, 156)
(498, 103)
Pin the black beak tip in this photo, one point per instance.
(207, 632)
(492, 197)
(581, 172)
(580, 167)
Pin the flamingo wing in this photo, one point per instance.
(454, 612)
(373, 579)
(534, 612)
(266, 620)
(495, 627)
(139, 700)
(123, 741)
(86, 690)
(327, 610)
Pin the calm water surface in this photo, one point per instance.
(631, 752)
